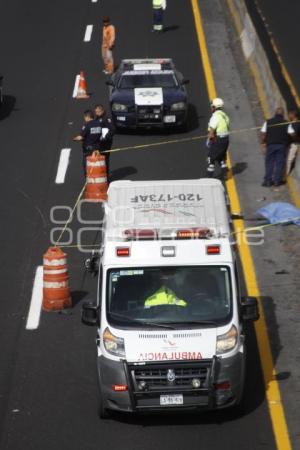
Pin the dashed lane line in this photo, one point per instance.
(63, 165)
(33, 318)
(88, 33)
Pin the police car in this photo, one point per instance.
(148, 93)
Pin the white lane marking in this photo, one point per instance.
(88, 33)
(76, 85)
(62, 165)
(94, 1)
(33, 318)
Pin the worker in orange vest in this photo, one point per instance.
(108, 43)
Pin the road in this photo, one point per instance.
(281, 24)
(48, 379)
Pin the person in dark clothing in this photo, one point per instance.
(90, 136)
(275, 140)
(294, 131)
(107, 132)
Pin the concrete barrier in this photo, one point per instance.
(255, 55)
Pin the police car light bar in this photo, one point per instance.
(122, 251)
(213, 249)
(146, 66)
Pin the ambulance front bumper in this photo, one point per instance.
(153, 388)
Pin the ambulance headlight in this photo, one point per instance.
(178, 106)
(113, 344)
(118, 107)
(226, 342)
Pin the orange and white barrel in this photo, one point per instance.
(96, 178)
(56, 291)
(82, 87)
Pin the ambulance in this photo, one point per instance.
(169, 312)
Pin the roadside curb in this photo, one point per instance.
(267, 87)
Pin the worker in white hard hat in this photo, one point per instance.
(218, 138)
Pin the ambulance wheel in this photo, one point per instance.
(102, 411)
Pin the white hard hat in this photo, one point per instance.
(217, 103)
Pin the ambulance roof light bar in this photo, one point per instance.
(155, 234)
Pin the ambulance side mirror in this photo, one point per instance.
(90, 314)
(250, 311)
(92, 264)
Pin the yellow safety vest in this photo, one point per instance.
(164, 296)
(157, 4)
(223, 123)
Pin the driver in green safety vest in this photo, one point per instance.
(164, 296)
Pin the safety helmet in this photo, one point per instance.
(217, 103)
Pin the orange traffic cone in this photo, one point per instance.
(96, 178)
(82, 88)
(56, 292)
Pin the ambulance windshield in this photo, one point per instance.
(169, 295)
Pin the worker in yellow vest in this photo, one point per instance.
(164, 296)
(158, 14)
(218, 138)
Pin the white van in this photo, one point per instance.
(169, 312)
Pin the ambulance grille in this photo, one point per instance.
(156, 378)
(152, 336)
(186, 335)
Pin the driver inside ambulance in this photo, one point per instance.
(165, 295)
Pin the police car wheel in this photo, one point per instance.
(183, 128)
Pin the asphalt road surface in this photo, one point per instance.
(48, 391)
(282, 22)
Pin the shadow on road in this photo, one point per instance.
(122, 172)
(8, 106)
(239, 167)
(77, 296)
(171, 28)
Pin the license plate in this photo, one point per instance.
(121, 118)
(170, 119)
(176, 399)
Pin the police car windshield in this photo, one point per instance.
(132, 81)
(182, 296)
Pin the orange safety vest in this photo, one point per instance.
(109, 35)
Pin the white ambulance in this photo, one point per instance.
(169, 312)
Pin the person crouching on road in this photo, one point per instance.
(90, 136)
(218, 138)
(158, 14)
(108, 43)
(106, 141)
(294, 131)
(275, 139)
